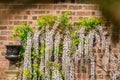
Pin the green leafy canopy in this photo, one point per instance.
(46, 20)
(89, 23)
(22, 31)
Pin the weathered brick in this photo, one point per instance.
(3, 63)
(1, 42)
(4, 6)
(98, 13)
(10, 17)
(10, 27)
(99, 71)
(34, 17)
(78, 75)
(93, 13)
(10, 22)
(22, 22)
(60, 7)
(16, 6)
(25, 17)
(81, 76)
(18, 17)
(5, 11)
(90, 7)
(27, 12)
(38, 12)
(3, 37)
(2, 54)
(84, 13)
(3, 27)
(34, 6)
(47, 12)
(16, 22)
(44, 6)
(30, 22)
(58, 12)
(81, 13)
(3, 59)
(6, 32)
(101, 76)
(75, 7)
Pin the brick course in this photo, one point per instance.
(13, 14)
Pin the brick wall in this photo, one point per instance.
(13, 14)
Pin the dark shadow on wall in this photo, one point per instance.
(111, 11)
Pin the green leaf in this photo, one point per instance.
(27, 72)
(89, 23)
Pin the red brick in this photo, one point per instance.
(27, 12)
(3, 37)
(47, 12)
(3, 53)
(37, 12)
(81, 13)
(18, 17)
(101, 76)
(2, 60)
(1, 42)
(44, 6)
(10, 27)
(90, 7)
(3, 27)
(4, 6)
(10, 22)
(16, 22)
(78, 75)
(4, 17)
(34, 18)
(6, 32)
(10, 38)
(16, 6)
(84, 13)
(60, 7)
(33, 6)
(25, 17)
(5, 11)
(98, 13)
(10, 17)
(30, 22)
(75, 7)
(3, 63)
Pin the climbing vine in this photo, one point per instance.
(56, 46)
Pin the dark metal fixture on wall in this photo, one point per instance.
(12, 52)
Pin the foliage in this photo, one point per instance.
(75, 41)
(65, 28)
(55, 64)
(62, 74)
(42, 50)
(22, 31)
(46, 20)
(64, 19)
(22, 50)
(27, 72)
(89, 23)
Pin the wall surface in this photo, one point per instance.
(13, 14)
